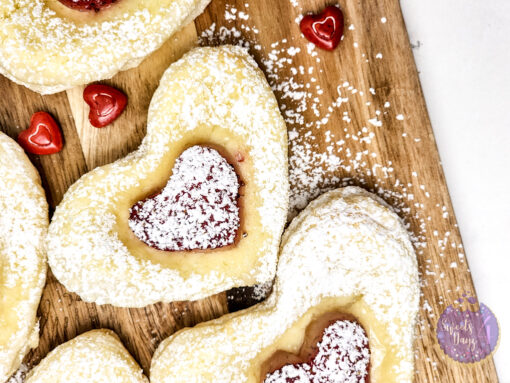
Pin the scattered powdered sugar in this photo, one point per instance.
(197, 209)
(321, 156)
(312, 169)
(343, 356)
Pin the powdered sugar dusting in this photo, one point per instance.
(343, 357)
(337, 142)
(94, 356)
(197, 209)
(19, 375)
(313, 164)
(23, 226)
(212, 92)
(48, 52)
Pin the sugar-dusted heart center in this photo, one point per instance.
(88, 5)
(197, 209)
(340, 354)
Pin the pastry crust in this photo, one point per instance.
(49, 48)
(347, 251)
(212, 96)
(23, 226)
(97, 356)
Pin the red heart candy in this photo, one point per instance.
(106, 104)
(43, 136)
(326, 29)
(87, 5)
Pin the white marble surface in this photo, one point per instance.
(463, 56)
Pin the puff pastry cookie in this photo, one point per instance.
(199, 208)
(347, 277)
(97, 356)
(23, 226)
(48, 47)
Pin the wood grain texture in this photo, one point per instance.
(408, 145)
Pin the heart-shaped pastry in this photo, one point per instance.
(347, 254)
(51, 46)
(106, 104)
(97, 356)
(216, 140)
(325, 29)
(43, 136)
(23, 226)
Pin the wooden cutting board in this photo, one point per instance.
(382, 134)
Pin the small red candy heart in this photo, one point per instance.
(106, 104)
(326, 29)
(87, 5)
(43, 136)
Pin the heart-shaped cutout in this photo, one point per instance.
(88, 5)
(43, 136)
(335, 349)
(197, 209)
(106, 104)
(325, 29)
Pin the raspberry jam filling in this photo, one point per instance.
(335, 350)
(88, 5)
(197, 210)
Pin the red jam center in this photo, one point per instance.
(197, 209)
(88, 5)
(342, 355)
